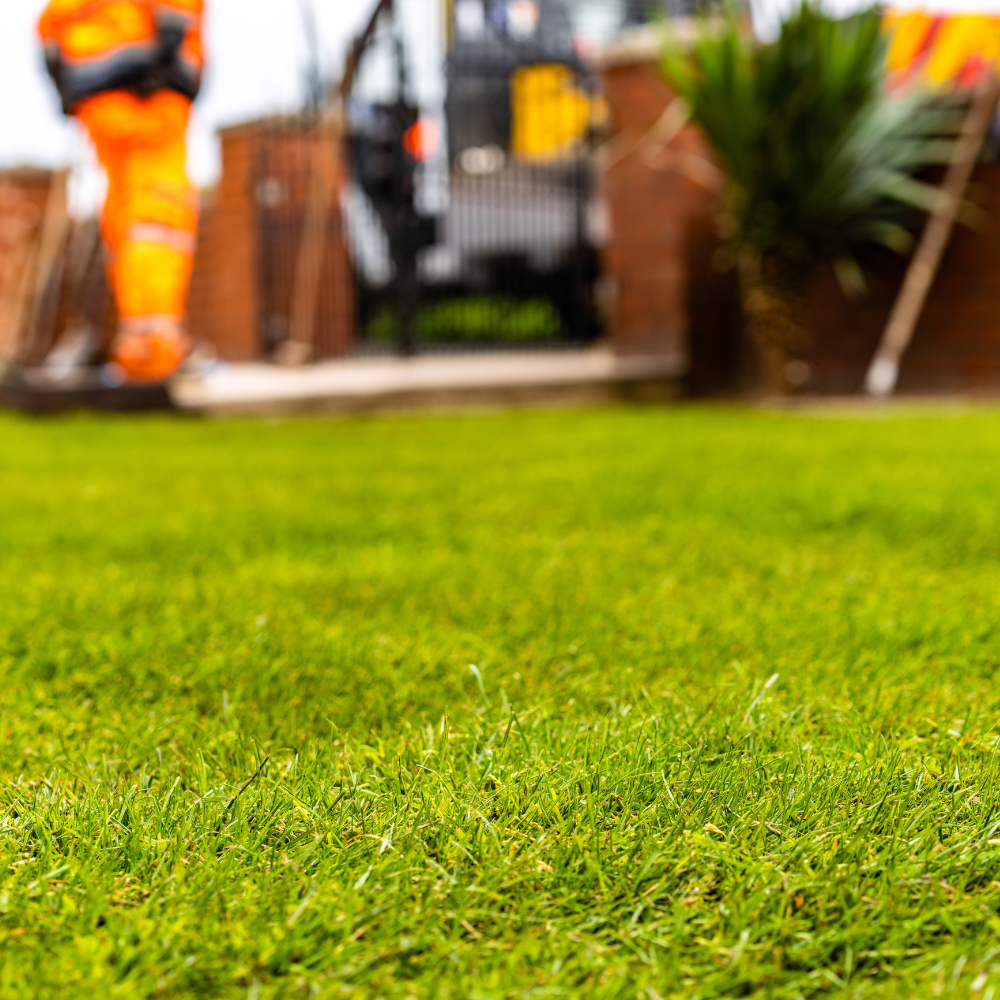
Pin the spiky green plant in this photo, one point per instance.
(818, 160)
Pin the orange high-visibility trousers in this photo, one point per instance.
(150, 219)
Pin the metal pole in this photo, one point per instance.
(404, 236)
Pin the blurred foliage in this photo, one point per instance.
(819, 159)
(473, 319)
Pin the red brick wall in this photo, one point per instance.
(956, 345)
(670, 294)
(663, 211)
(222, 308)
(23, 197)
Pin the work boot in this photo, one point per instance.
(150, 351)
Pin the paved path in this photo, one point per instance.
(432, 382)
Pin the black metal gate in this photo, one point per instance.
(470, 221)
(476, 227)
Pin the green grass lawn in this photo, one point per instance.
(731, 728)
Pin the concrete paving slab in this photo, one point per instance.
(358, 385)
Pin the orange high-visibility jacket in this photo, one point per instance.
(93, 46)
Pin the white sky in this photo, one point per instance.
(257, 50)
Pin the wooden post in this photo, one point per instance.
(298, 348)
(884, 370)
(448, 14)
(51, 252)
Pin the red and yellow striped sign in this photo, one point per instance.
(941, 50)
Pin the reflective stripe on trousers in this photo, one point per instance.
(154, 323)
(168, 236)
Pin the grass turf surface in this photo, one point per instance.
(732, 728)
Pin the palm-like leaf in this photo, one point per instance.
(819, 160)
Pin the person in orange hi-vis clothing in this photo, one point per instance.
(130, 70)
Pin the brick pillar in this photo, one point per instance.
(668, 295)
(24, 194)
(223, 305)
(238, 278)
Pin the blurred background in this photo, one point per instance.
(494, 175)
